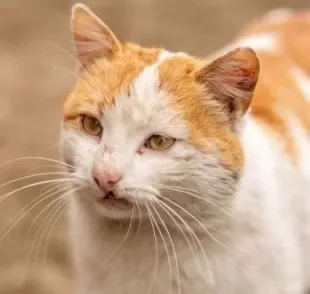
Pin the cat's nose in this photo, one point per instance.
(107, 179)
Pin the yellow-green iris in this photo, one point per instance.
(159, 142)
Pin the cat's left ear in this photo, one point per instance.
(231, 80)
(93, 38)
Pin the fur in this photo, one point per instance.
(226, 208)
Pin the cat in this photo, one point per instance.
(192, 175)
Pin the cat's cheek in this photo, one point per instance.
(91, 138)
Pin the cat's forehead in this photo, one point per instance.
(145, 103)
(138, 72)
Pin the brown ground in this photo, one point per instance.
(34, 79)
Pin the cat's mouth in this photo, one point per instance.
(112, 200)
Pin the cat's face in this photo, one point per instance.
(149, 132)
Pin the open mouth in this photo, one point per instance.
(113, 201)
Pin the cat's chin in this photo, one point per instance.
(114, 207)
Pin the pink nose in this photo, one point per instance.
(106, 180)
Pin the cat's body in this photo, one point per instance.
(253, 226)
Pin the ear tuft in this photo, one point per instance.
(93, 39)
(231, 79)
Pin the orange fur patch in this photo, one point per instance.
(293, 35)
(277, 90)
(208, 127)
(105, 80)
(296, 40)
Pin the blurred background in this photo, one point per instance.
(36, 73)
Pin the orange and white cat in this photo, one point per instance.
(193, 175)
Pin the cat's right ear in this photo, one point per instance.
(93, 39)
(231, 80)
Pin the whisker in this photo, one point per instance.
(61, 205)
(164, 243)
(59, 201)
(140, 216)
(72, 57)
(167, 208)
(194, 218)
(61, 209)
(36, 158)
(3, 197)
(47, 189)
(51, 166)
(174, 252)
(179, 227)
(156, 253)
(121, 243)
(32, 176)
(72, 73)
(179, 189)
(44, 225)
(59, 198)
(49, 194)
(8, 228)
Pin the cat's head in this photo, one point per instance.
(152, 132)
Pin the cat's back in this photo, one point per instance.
(277, 136)
(281, 101)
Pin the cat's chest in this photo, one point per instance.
(146, 276)
(141, 265)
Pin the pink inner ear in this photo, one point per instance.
(246, 79)
(232, 79)
(237, 70)
(93, 39)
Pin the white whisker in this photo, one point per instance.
(62, 207)
(3, 197)
(32, 176)
(59, 198)
(196, 195)
(194, 218)
(62, 198)
(156, 252)
(165, 246)
(120, 244)
(50, 194)
(140, 216)
(36, 158)
(72, 57)
(167, 208)
(174, 252)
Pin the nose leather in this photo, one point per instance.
(106, 179)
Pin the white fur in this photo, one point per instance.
(260, 42)
(264, 239)
(279, 15)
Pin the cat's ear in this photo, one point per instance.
(231, 80)
(92, 38)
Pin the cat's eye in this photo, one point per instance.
(159, 142)
(91, 125)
